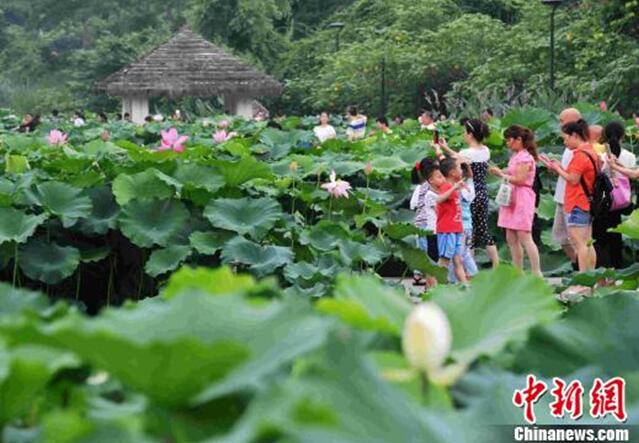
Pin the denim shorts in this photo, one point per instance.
(450, 245)
(578, 218)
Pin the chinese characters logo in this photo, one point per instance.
(605, 398)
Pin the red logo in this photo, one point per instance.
(608, 398)
(605, 398)
(529, 396)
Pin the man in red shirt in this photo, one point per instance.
(449, 228)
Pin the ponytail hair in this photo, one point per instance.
(477, 128)
(527, 138)
(580, 127)
(420, 171)
(614, 133)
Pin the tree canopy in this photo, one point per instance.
(445, 54)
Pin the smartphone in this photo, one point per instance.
(436, 137)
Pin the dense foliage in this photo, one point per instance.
(270, 316)
(477, 53)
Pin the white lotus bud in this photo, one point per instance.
(427, 338)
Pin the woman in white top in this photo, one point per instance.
(609, 246)
(356, 124)
(324, 131)
(478, 156)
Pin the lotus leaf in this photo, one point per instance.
(501, 306)
(261, 259)
(18, 226)
(252, 216)
(48, 262)
(167, 259)
(152, 222)
(67, 202)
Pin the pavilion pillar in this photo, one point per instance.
(126, 106)
(239, 105)
(139, 108)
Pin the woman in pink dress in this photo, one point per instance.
(517, 218)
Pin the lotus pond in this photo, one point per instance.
(221, 294)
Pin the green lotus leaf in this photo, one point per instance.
(388, 165)
(64, 201)
(167, 259)
(546, 210)
(142, 186)
(48, 262)
(261, 259)
(24, 373)
(368, 303)
(252, 216)
(317, 405)
(210, 242)
(237, 173)
(168, 180)
(18, 226)
(398, 231)
(210, 281)
(630, 226)
(199, 177)
(597, 332)
(418, 260)
(228, 343)
(311, 272)
(93, 255)
(324, 236)
(13, 301)
(501, 306)
(16, 164)
(369, 253)
(152, 222)
(104, 214)
(531, 118)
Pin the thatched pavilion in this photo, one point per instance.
(188, 65)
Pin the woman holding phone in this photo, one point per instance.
(478, 155)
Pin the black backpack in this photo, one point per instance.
(601, 196)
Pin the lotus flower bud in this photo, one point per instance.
(293, 166)
(368, 169)
(220, 136)
(105, 136)
(427, 338)
(223, 124)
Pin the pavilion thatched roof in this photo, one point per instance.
(188, 65)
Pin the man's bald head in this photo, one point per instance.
(596, 132)
(569, 115)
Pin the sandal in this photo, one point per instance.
(418, 280)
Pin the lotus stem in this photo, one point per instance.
(110, 284)
(15, 263)
(424, 384)
(77, 283)
(293, 203)
(141, 281)
(330, 208)
(368, 181)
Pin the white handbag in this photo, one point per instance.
(505, 194)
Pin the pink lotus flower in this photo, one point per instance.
(223, 124)
(637, 121)
(221, 136)
(337, 188)
(57, 137)
(603, 106)
(172, 140)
